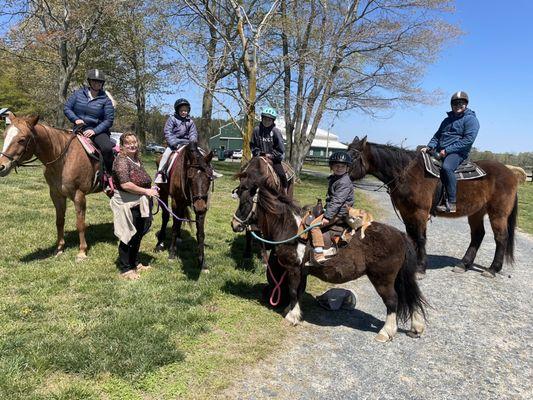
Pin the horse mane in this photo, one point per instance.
(391, 158)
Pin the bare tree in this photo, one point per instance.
(54, 33)
(360, 54)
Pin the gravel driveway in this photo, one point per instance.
(478, 343)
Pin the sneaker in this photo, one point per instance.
(448, 208)
(109, 192)
(330, 252)
(319, 257)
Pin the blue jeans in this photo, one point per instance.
(447, 175)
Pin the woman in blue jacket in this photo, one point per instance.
(91, 108)
(453, 141)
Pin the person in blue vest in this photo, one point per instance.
(179, 130)
(91, 109)
(453, 141)
(267, 141)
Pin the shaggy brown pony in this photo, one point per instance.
(190, 181)
(386, 255)
(412, 191)
(68, 170)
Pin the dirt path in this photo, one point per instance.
(478, 344)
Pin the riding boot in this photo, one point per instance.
(447, 208)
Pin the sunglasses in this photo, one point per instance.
(458, 103)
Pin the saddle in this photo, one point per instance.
(101, 177)
(340, 231)
(466, 170)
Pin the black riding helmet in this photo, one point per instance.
(182, 102)
(96, 75)
(340, 157)
(459, 96)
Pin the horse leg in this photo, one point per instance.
(294, 313)
(416, 229)
(477, 232)
(176, 233)
(247, 245)
(200, 238)
(390, 298)
(499, 228)
(60, 204)
(81, 205)
(162, 234)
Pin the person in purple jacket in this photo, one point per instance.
(452, 142)
(91, 109)
(180, 130)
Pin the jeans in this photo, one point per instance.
(447, 175)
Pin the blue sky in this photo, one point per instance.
(492, 62)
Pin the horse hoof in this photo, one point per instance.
(159, 248)
(382, 338)
(58, 253)
(459, 268)
(81, 257)
(420, 275)
(413, 334)
(205, 270)
(171, 256)
(488, 274)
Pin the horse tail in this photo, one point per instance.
(410, 298)
(511, 225)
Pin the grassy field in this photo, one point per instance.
(76, 331)
(525, 207)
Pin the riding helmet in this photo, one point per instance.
(182, 102)
(340, 157)
(269, 112)
(96, 75)
(459, 96)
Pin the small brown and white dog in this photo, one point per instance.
(358, 218)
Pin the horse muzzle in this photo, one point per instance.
(5, 169)
(236, 225)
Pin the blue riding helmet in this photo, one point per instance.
(269, 112)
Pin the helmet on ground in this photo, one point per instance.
(96, 75)
(459, 96)
(340, 157)
(181, 102)
(269, 112)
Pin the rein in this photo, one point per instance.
(286, 240)
(161, 202)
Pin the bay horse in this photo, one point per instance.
(68, 170)
(386, 255)
(412, 190)
(189, 183)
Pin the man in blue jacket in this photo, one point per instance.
(92, 109)
(453, 141)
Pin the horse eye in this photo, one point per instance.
(22, 141)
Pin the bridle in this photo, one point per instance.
(15, 161)
(246, 221)
(203, 197)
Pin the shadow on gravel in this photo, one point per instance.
(438, 262)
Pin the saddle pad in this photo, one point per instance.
(173, 158)
(87, 144)
(466, 170)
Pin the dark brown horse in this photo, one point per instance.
(412, 191)
(386, 255)
(190, 181)
(67, 169)
(265, 167)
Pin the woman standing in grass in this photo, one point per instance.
(131, 205)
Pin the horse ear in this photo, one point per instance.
(10, 115)
(32, 120)
(355, 140)
(363, 140)
(209, 157)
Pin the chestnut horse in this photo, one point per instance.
(190, 181)
(386, 255)
(412, 191)
(68, 170)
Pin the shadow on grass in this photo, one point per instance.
(237, 251)
(97, 233)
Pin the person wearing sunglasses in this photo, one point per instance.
(452, 142)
